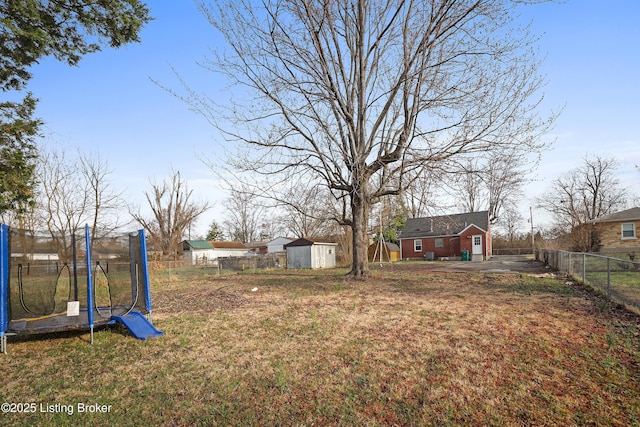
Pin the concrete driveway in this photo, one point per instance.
(497, 264)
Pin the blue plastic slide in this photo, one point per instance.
(138, 325)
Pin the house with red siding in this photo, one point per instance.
(447, 237)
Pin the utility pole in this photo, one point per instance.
(533, 241)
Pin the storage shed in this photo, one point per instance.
(311, 253)
(390, 252)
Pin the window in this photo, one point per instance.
(629, 230)
(439, 243)
(417, 245)
(477, 240)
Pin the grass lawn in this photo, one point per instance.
(404, 347)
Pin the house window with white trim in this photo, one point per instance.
(629, 230)
(417, 245)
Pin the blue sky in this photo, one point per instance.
(109, 104)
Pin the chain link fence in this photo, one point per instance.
(258, 262)
(513, 251)
(161, 271)
(617, 278)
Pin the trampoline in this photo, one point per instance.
(62, 283)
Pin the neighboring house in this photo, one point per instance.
(390, 252)
(619, 231)
(311, 253)
(277, 244)
(257, 248)
(197, 251)
(229, 249)
(38, 256)
(447, 237)
(204, 252)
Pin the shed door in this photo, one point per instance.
(477, 245)
(318, 256)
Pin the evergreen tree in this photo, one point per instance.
(394, 214)
(215, 232)
(17, 154)
(34, 29)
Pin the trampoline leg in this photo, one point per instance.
(92, 335)
(3, 344)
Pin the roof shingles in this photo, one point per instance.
(444, 225)
(632, 214)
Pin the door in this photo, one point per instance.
(476, 249)
(318, 256)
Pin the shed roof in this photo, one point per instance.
(444, 225)
(632, 214)
(310, 241)
(198, 244)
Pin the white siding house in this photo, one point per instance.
(229, 249)
(204, 252)
(311, 253)
(277, 244)
(197, 252)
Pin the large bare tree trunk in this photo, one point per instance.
(360, 210)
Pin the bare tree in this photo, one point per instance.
(70, 197)
(423, 194)
(243, 215)
(510, 222)
(270, 228)
(469, 188)
(106, 202)
(583, 194)
(307, 213)
(491, 184)
(504, 178)
(356, 96)
(63, 201)
(173, 211)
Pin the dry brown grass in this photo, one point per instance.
(407, 346)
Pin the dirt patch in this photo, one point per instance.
(198, 300)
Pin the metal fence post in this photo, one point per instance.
(609, 278)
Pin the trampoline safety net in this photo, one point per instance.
(64, 282)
